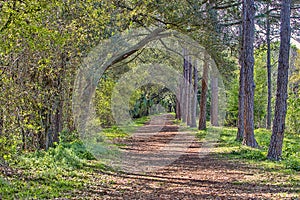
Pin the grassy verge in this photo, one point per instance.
(62, 171)
(116, 132)
(46, 174)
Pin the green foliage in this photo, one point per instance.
(248, 153)
(261, 88)
(58, 172)
(141, 106)
(65, 155)
(233, 102)
(9, 147)
(67, 137)
(47, 174)
(114, 132)
(293, 113)
(103, 101)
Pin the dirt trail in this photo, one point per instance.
(188, 177)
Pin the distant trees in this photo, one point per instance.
(189, 90)
(194, 98)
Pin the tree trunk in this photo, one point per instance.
(214, 100)
(179, 100)
(249, 138)
(269, 108)
(190, 88)
(241, 111)
(275, 148)
(183, 95)
(203, 98)
(177, 109)
(194, 98)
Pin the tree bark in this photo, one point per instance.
(203, 98)
(179, 99)
(241, 111)
(249, 138)
(269, 108)
(189, 96)
(177, 109)
(275, 148)
(194, 98)
(183, 95)
(214, 100)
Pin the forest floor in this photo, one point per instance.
(190, 176)
(160, 160)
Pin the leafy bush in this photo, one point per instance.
(47, 174)
(291, 152)
(9, 147)
(65, 155)
(293, 163)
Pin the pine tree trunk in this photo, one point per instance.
(269, 108)
(194, 98)
(241, 125)
(249, 138)
(275, 148)
(203, 98)
(179, 100)
(183, 100)
(187, 91)
(190, 88)
(214, 100)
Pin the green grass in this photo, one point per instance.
(291, 148)
(230, 148)
(116, 132)
(46, 174)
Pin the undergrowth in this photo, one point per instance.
(60, 171)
